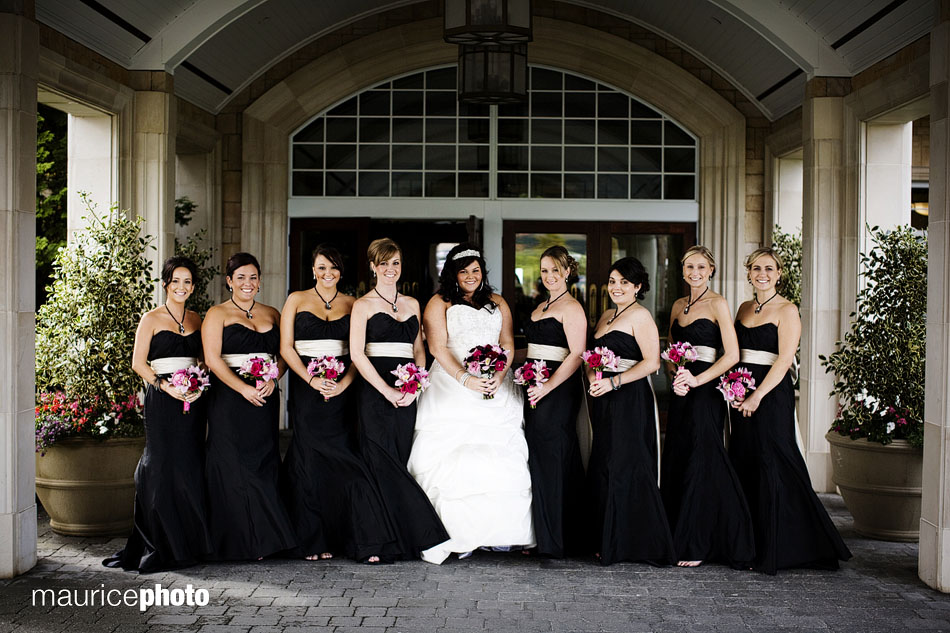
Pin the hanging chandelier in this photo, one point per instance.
(487, 21)
(493, 73)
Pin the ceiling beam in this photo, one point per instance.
(802, 44)
(189, 30)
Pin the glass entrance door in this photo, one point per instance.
(595, 246)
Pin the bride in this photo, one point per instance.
(469, 453)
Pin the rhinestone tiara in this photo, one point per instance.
(466, 253)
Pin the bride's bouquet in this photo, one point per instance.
(736, 385)
(599, 360)
(329, 367)
(532, 374)
(485, 361)
(260, 370)
(190, 380)
(410, 378)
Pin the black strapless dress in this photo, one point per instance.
(385, 434)
(554, 455)
(627, 517)
(704, 501)
(329, 493)
(246, 513)
(792, 528)
(169, 529)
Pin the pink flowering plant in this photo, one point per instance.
(328, 367)
(485, 361)
(736, 385)
(879, 367)
(410, 378)
(58, 417)
(679, 353)
(532, 374)
(260, 370)
(188, 381)
(599, 360)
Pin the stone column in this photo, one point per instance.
(19, 62)
(153, 163)
(934, 553)
(823, 242)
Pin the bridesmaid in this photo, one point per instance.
(791, 526)
(556, 334)
(704, 501)
(329, 494)
(628, 520)
(169, 529)
(385, 332)
(247, 518)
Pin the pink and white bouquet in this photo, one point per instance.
(736, 385)
(328, 367)
(190, 380)
(679, 353)
(532, 374)
(485, 361)
(599, 360)
(259, 370)
(410, 378)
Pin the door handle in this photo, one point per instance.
(592, 305)
(360, 289)
(604, 302)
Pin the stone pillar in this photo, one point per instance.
(153, 164)
(888, 159)
(934, 552)
(823, 242)
(19, 62)
(90, 167)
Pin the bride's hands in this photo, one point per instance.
(493, 384)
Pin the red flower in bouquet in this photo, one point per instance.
(532, 374)
(190, 380)
(485, 361)
(736, 385)
(599, 360)
(329, 367)
(259, 370)
(679, 354)
(410, 378)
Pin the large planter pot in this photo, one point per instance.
(880, 484)
(88, 487)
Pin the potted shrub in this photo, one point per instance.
(89, 427)
(877, 436)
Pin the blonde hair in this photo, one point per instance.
(564, 260)
(765, 250)
(381, 250)
(699, 249)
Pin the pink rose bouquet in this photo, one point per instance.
(259, 370)
(485, 361)
(599, 360)
(410, 378)
(736, 385)
(679, 354)
(532, 374)
(328, 367)
(190, 380)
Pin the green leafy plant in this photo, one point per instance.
(879, 367)
(85, 332)
(50, 193)
(789, 248)
(194, 249)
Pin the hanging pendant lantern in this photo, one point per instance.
(487, 21)
(491, 73)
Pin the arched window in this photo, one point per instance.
(575, 139)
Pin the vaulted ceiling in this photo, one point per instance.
(766, 48)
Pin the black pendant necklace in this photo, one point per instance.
(181, 324)
(689, 303)
(392, 303)
(248, 311)
(759, 306)
(616, 314)
(326, 303)
(550, 301)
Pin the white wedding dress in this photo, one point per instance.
(469, 454)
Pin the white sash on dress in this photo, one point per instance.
(171, 364)
(705, 354)
(314, 348)
(236, 360)
(389, 350)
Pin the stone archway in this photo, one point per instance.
(268, 122)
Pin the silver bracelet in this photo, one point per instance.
(465, 378)
(616, 385)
